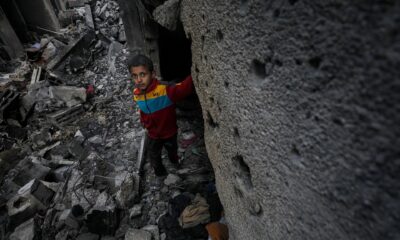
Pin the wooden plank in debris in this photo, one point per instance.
(89, 16)
(66, 116)
(34, 73)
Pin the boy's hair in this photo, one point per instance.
(140, 60)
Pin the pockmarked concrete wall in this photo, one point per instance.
(301, 104)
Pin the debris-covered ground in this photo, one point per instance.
(70, 145)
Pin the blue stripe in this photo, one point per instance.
(154, 104)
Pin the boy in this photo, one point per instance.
(156, 102)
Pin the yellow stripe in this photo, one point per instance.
(160, 90)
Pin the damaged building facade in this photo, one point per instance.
(299, 102)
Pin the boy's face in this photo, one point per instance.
(141, 76)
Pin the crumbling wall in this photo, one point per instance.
(301, 109)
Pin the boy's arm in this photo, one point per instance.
(180, 90)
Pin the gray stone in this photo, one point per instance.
(167, 14)
(26, 231)
(128, 190)
(172, 179)
(136, 234)
(70, 95)
(67, 218)
(153, 229)
(135, 211)
(95, 139)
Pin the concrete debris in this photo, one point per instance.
(95, 139)
(102, 220)
(137, 234)
(127, 191)
(49, 52)
(32, 197)
(68, 219)
(153, 229)
(167, 15)
(66, 116)
(135, 211)
(172, 179)
(26, 231)
(28, 170)
(89, 16)
(43, 151)
(9, 159)
(79, 136)
(77, 44)
(71, 96)
(113, 50)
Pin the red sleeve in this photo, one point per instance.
(180, 90)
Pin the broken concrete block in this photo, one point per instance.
(89, 16)
(172, 179)
(43, 151)
(137, 234)
(102, 220)
(128, 190)
(26, 231)
(66, 218)
(70, 95)
(30, 171)
(48, 53)
(31, 198)
(95, 139)
(135, 211)
(60, 174)
(153, 229)
(85, 197)
(167, 14)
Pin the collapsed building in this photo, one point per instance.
(298, 100)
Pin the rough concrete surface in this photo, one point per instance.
(301, 108)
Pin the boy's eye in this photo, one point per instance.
(140, 75)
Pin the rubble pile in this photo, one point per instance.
(71, 156)
(108, 21)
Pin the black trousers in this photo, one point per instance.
(154, 150)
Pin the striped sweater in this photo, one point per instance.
(157, 106)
